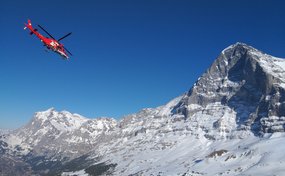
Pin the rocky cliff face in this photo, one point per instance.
(248, 82)
(218, 124)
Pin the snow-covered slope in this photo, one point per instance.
(184, 154)
(4, 131)
(231, 122)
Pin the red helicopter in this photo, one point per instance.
(50, 43)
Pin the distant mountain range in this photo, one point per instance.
(231, 122)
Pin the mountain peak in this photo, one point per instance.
(43, 115)
(239, 45)
(246, 80)
(62, 121)
(52, 113)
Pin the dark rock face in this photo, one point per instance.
(239, 79)
(14, 166)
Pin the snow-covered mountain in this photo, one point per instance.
(52, 131)
(4, 131)
(231, 122)
(246, 81)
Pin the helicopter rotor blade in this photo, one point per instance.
(47, 32)
(64, 36)
(67, 51)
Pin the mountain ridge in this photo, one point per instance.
(233, 115)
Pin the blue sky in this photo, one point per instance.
(128, 55)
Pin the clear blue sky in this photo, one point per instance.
(128, 55)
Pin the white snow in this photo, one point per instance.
(166, 109)
(280, 62)
(81, 173)
(186, 154)
(194, 106)
(14, 140)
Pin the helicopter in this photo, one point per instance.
(51, 43)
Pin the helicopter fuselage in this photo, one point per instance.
(50, 43)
